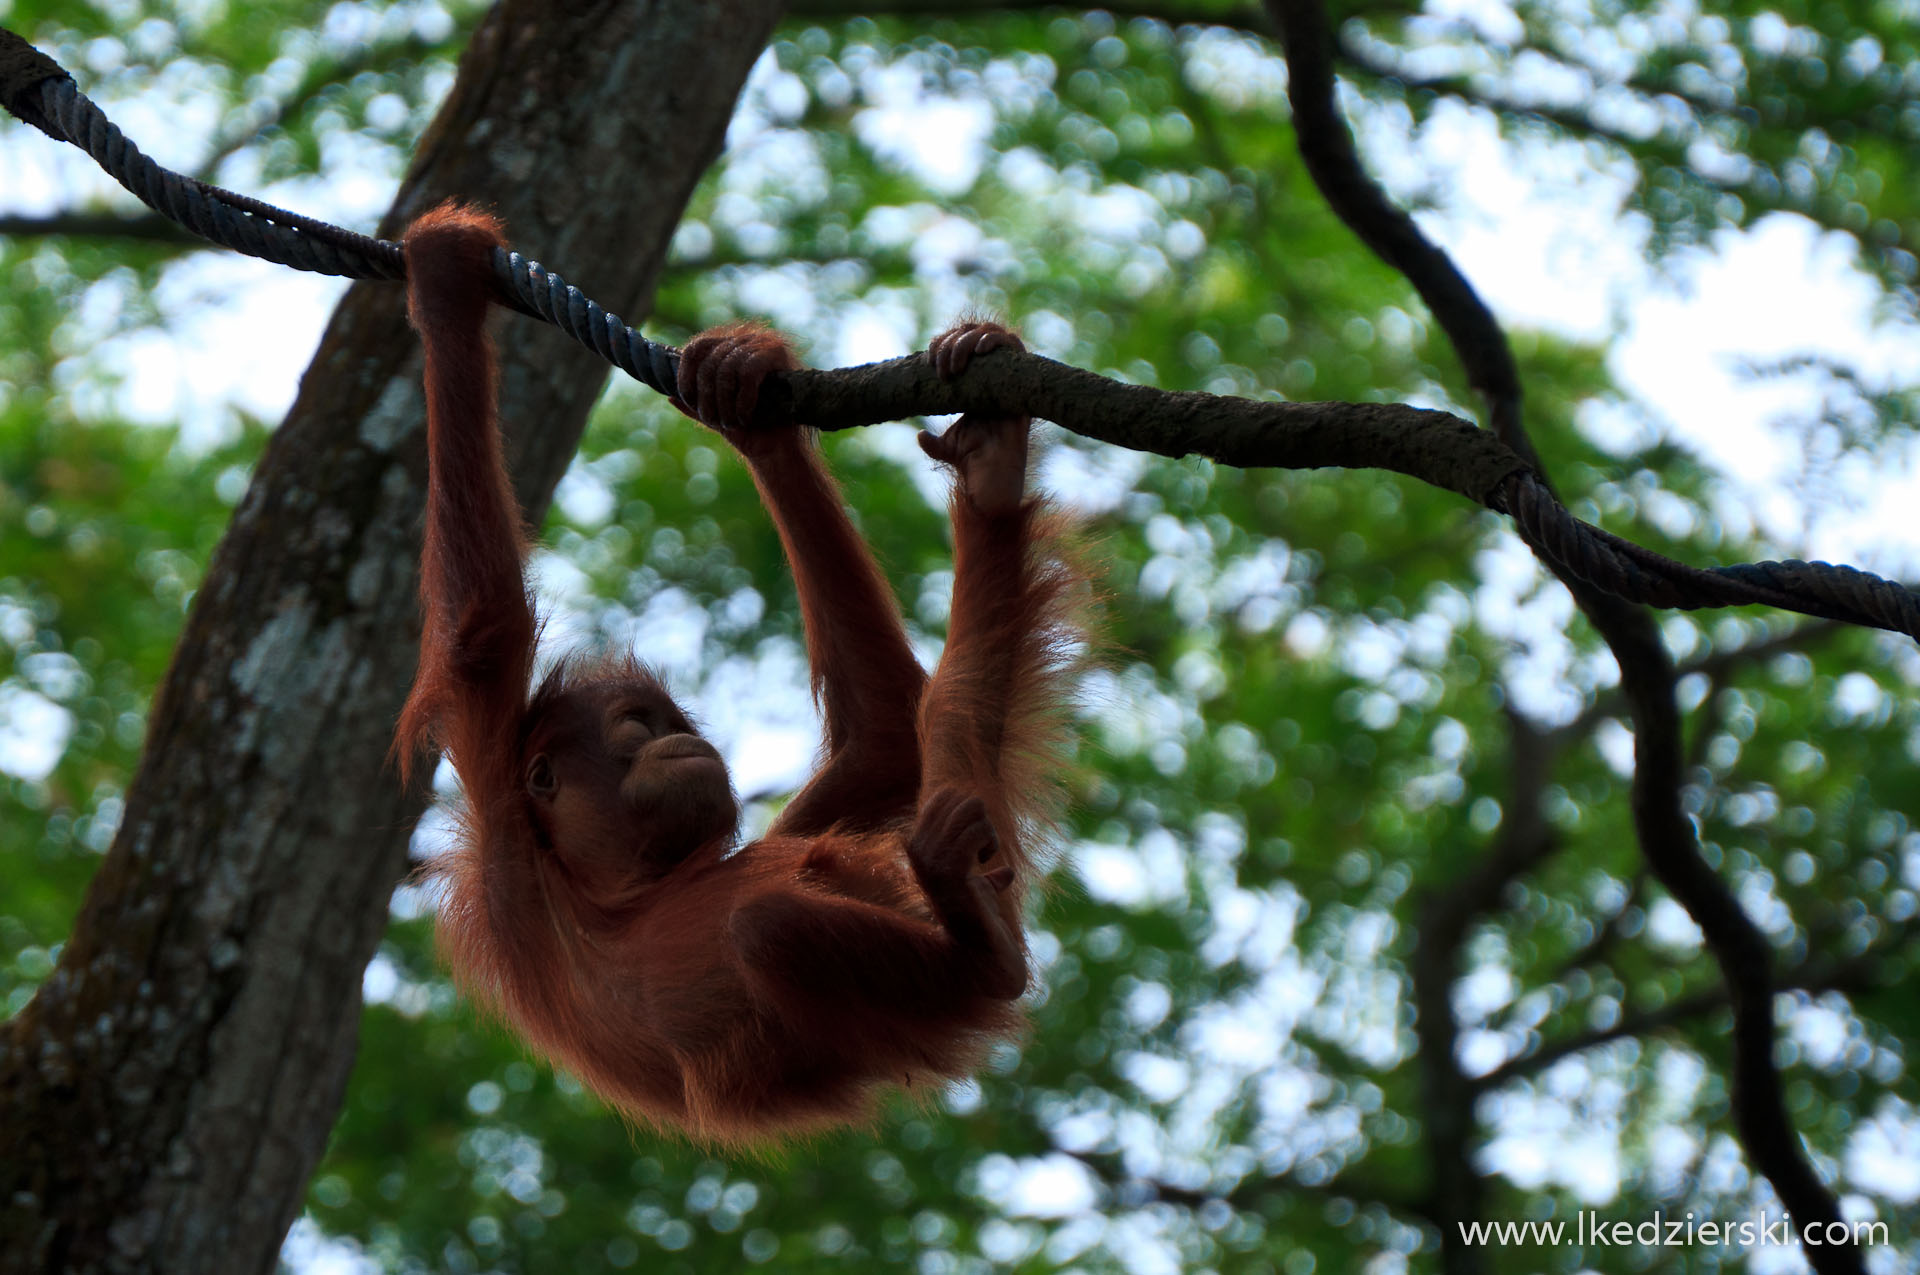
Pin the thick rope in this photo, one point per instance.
(36, 89)
(39, 91)
(1638, 574)
(532, 289)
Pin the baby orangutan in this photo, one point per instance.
(596, 898)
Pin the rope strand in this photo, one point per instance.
(39, 91)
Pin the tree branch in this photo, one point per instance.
(1454, 1192)
(1868, 969)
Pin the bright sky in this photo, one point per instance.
(1548, 245)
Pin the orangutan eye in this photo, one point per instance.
(643, 718)
(541, 781)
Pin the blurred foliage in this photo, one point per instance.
(1304, 738)
(1729, 111)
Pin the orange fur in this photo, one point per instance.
(594, 899)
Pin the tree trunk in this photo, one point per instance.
(166, 1095)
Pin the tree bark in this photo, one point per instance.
(166, 1095)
